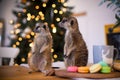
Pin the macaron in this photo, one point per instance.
(72, 69)
(102, 63)
(83, 69)
(105, 69)
(95, 68)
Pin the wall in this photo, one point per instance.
(91, 25)
(6, 7)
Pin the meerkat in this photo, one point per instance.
(75, 49)
(41, 57)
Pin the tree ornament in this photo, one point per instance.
(23, 1)
(17, 31)
(45, 1)
(13, 36)
(23, 35)
(28, 3)
(27, 30)
(24, 21)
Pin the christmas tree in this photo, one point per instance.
(27, 14)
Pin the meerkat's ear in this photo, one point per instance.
(72, 22)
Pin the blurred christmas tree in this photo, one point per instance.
(28, 13)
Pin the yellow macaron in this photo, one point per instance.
(95, 68)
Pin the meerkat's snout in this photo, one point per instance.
(61, 24)
(39, 27)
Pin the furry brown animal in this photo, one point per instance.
(75, 49)
(41, 58)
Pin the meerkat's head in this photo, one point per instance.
(41, 28)
(69, 23)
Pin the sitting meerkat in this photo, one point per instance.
(41, 57)
(75, 49)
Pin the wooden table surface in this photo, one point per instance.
(21, 73)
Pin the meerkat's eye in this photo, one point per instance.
(72, 22)
(44, 26)
(65, 20)
(37, 27)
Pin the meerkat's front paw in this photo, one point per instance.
(50, 72)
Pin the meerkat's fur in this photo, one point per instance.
(75, 49)
(41, 58)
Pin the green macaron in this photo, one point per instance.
(105, 69)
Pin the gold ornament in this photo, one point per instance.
(27, 30)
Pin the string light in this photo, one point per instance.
(52, 50)
(62, 1)
(32, 33)
(29, 55)
(33, 16)
(28, 16)
(37, 7)
(54, 30)
(14, 46)
(64, 9)
(44, 4)
(53, 5)
(42, 18)
(55, 56)
(17, 25)
(17, 43)
(45, 23)
(23, 59)
(19, 14)
(29, 19)
(52, 25)
(61, 32)
(55, 11)
(60, 12)
(57, 19)
(59, 0)
(52, 60)
(24, 10)
(40, 13)
(20, 39)
(28, 36)
(17, 31)
(36, 18)
(31, 44)
(11, 21)
(16, 64)
(12, 32)
(65, 4)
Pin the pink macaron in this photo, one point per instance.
(72, 69)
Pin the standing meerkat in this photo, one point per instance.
(75, 49)
(41, 57)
